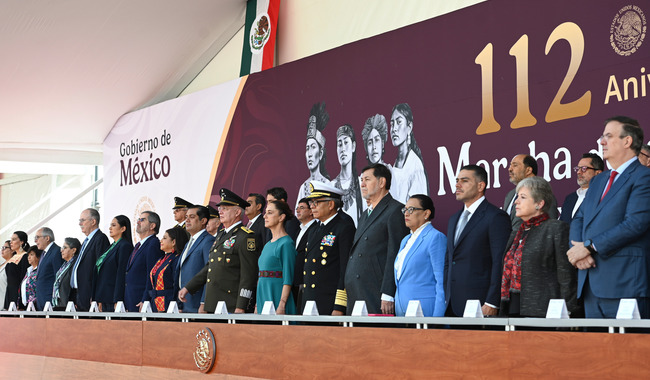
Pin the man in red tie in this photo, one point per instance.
(609, 233)
(144, 256)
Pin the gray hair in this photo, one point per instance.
(539, 189)
(94, 214)
(47, 231)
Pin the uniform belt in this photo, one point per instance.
(270, 273)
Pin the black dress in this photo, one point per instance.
(15, 275)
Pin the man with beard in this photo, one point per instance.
(588, 167)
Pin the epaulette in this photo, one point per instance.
(247, 230)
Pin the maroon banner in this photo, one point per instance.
(482, 84)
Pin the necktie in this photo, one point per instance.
(73, 278)
(609, 184)
(250, 223)
(512, 205)
(369, 211)
(187, 249)
(461, 224)
(135, 250)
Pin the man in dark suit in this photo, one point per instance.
(370, 275)
(609, 233)
(231, 272)
(307, 224)
(143, 258)
(195, 255)
(326, 252)
(48, 265)
(255, 218)
(95, 244)
(522, 166)
(476, 240)
(588, 167)
(292, 226)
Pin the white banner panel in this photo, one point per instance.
(162, 151)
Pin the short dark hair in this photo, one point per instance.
(94, 214)
(596, 162)
(180, 236)
(304, 200)
(530, 162)
(278, 193)
(479, 172)
(201, 212)
(380, 171)
(426, 203)
(36, 251)
(632, 128)
(154, 218)
(259, 199)
(283, 209)
(73, 243)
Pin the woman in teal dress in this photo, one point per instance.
(277, 262)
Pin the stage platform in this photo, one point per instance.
(120, 346)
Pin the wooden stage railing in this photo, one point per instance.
(133, 348)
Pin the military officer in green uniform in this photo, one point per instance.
(231, 272)
(327, 251)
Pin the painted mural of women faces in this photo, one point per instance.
(374, 147)
(400, 128)
(345, 149)
(313, 154)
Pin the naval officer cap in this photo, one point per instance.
(228, 198)
(181, 203)
(213, 211)
(323, 190)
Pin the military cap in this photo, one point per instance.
(231, 199)
(213, 211)
(181, 203)
(323, 190)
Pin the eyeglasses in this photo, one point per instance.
(644, 155)
(316, 202)
(82, 220)
(36, 237)
(3, 248)
(582, 169)
(410, 210)
(608, 136)
(141, 219)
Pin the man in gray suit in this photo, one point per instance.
(370, 276)
(522, 166)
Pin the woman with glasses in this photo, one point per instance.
(535, 265)
(420, 262)
(6, 255)
(110, 266)
(61, 288)
(16, 267)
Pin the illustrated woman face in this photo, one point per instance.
(399, 128)
(345, 147)
(374, 147)
(313, 154)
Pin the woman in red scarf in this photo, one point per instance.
(160, 287)
(535, 267)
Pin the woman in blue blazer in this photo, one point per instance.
(420, 262)
(110, 267)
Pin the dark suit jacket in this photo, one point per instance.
(64, 288)
(47, 268)
(567, 207)
(301, 248)
(260, 231)
(109, 281)
(325, 261)
(231, 273)
(86, 270)
(473, 265)
(516, 221)
(546, 272)
(372, 256)
(196, 259)
(618, 228)
(137, 271)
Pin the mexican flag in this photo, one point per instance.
(259, 35)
